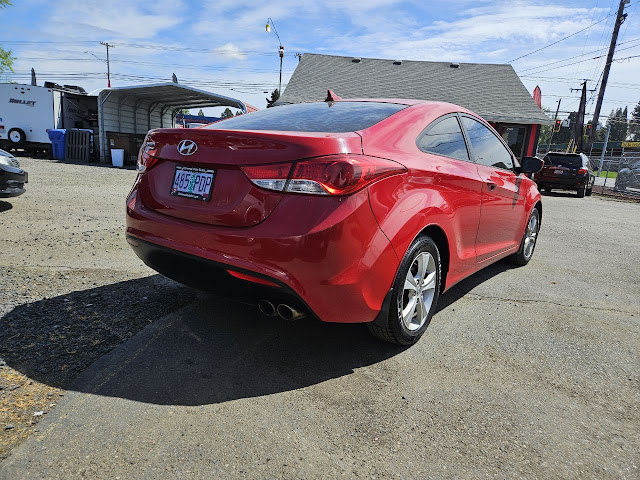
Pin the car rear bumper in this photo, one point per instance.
(214, 277)
(550, 182)
(326, 254)
(12, 182)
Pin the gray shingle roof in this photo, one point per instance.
(493, 91)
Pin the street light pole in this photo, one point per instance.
(268, 28)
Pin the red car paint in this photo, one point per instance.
(339, 254)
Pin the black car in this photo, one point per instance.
(566, 171)
(12, 177)
(628, 177)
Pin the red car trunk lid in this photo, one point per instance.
(234, 200)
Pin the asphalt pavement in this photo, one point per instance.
(528, 372)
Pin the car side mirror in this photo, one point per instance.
(530, 165)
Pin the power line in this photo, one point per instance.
(581, 55)
(172, 48)
(572, 81)
(561, 40)
(586, 60)
(134, 62)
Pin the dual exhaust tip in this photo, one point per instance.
(282, 310)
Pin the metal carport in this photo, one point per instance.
(138, 109)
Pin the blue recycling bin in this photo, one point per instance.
(58, 138)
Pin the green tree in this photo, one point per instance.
(634, 125)
(619, 125)
(185, 111)
(239, 112)
(201, 113)
(6, 57)
(227, 113)
(275, 95)
(545, 130)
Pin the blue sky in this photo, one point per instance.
(222, 45)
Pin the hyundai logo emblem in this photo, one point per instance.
(187, 147)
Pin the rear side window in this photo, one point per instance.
(444, 137)
(313, 117)
(487, 149)
(567, 161)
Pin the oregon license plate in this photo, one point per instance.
(193, 182)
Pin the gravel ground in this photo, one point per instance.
(524, 372)
(65, 237)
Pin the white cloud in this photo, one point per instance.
(117, 19)
(229, 51)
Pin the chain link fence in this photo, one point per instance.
(617, 175)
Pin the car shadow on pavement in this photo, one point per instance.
(209, 351)
(4, 206)
(459, 290)
(54, 339)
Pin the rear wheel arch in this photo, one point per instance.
(538, 206)
(439, 237)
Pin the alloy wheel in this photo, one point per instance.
(419, 291)
(531, 236)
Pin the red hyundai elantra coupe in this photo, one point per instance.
(349, 211)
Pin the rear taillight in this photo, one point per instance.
(147, 157)
(332, 175)
(582, 171)
(271, 177)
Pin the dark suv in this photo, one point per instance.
(566, 171)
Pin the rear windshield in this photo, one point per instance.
(313, 117)
(568, 161)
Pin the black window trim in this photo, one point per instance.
(481, 121)
(436, 122)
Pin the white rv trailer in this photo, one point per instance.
(27, 111)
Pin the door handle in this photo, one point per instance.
(491, 185)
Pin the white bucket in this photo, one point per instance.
(117, 157)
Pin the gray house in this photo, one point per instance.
(493, 91)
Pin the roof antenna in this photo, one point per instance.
(332, 97)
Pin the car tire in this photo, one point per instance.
(581, 191)
(588, 191)
(16, 137)
(412, 303)
(529, 239)
(547, 190)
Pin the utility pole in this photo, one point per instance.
(554, 122)
(620, 18)
(107, 44)
(578, 127)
